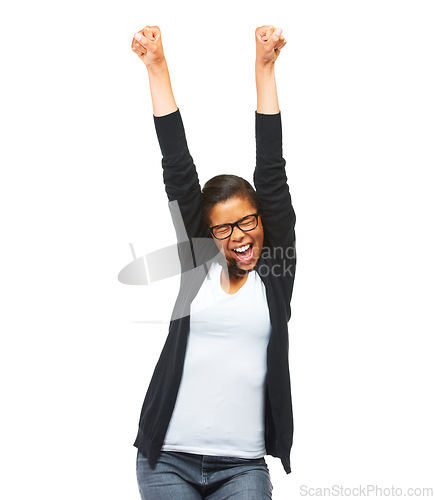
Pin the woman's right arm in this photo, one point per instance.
(147, 44)
(179, 172)
(270, 176)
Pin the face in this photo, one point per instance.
(250, 242)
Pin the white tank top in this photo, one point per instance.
(220, 405)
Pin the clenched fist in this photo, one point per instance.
(269, 43)
(148, 46)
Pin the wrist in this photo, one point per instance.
(264, 65)
(157, 67)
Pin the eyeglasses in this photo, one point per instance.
(223, 231)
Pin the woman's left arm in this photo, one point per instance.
(270, 176)
(269, 43)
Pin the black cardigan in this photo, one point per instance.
(276, 267)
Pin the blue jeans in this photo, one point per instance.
(187, 476)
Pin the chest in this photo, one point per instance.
(239, 316)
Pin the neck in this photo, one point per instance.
(235, 273)
(232, 282)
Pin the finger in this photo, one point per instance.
(262, 31)
(148, 33)
(275, 37)
(137, 47)
(156, 33)
(269, 32)
(144, 42)
(140, 55)
(277, 50)
(281, 47)
(140, 51)
(280, 44)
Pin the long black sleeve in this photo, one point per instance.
(270, 181)
(179, 172)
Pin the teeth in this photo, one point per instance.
(242, 249)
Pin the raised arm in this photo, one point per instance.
(179, 172)
(269, 43)
(270, 177)
(147, 44)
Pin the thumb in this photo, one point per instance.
(275, 37)
(145, 42)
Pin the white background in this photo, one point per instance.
(81, 179)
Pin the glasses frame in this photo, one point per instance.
(233, 224)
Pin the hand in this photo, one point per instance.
(148, 46)
(269, 43)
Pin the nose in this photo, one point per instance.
(237, 234)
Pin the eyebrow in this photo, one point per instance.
(235, 221)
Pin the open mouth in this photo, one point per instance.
(244, 253)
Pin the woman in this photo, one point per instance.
(220, 396)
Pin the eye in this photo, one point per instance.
(248, 222)
(222, 230)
